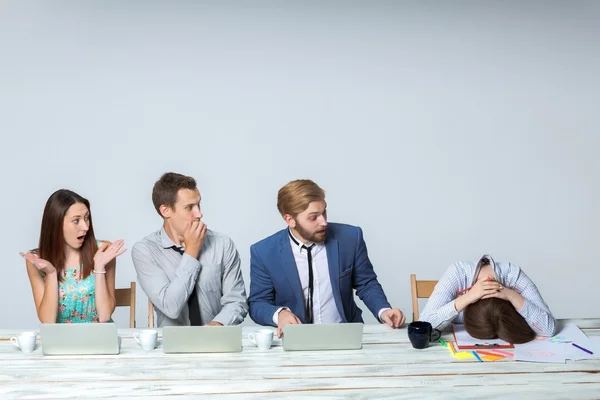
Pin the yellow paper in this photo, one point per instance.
(463, 355)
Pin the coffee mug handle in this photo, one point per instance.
(433, 333)
(136, 336)
(13, 340)
(252, 337)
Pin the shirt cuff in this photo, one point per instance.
(276, 315)
(381, 312)
(190, 264)
(224, 320)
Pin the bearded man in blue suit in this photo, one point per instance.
(306, 273)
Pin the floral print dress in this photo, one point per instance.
(76, 297)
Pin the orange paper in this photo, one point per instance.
(492, 358)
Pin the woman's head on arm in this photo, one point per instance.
(494, 318)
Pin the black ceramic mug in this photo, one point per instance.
(420, 333)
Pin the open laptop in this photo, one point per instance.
(79, 339)
(202, 339)
(323, 336)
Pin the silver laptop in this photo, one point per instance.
(76, 339)
(323, 336)
(202, 339)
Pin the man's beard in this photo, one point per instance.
(311, 236)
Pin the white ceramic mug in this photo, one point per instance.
(262, 338)
(147, 339)
(25, 341)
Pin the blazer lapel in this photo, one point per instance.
(333, 261)
(291, 270)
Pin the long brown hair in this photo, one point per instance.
(52, 240)
(494, 318)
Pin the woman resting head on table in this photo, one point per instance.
(493, 300)
(72, 275)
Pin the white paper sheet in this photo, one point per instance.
(591, 344)
(541, 351)
(464, 339)
(568, 333)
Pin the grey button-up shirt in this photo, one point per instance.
(168, 279)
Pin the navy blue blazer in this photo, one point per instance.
(274, 279)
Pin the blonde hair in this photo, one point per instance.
(295, 197)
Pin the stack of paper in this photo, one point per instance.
(556, 349)
(559, 347)
(541, 351)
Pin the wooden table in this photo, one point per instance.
(386, 367)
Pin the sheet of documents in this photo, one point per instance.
(541, 351)
(591, 344)
(464, 340)
(568, 333)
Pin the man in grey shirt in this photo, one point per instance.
(190, 274)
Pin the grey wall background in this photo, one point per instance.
(444, 129)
